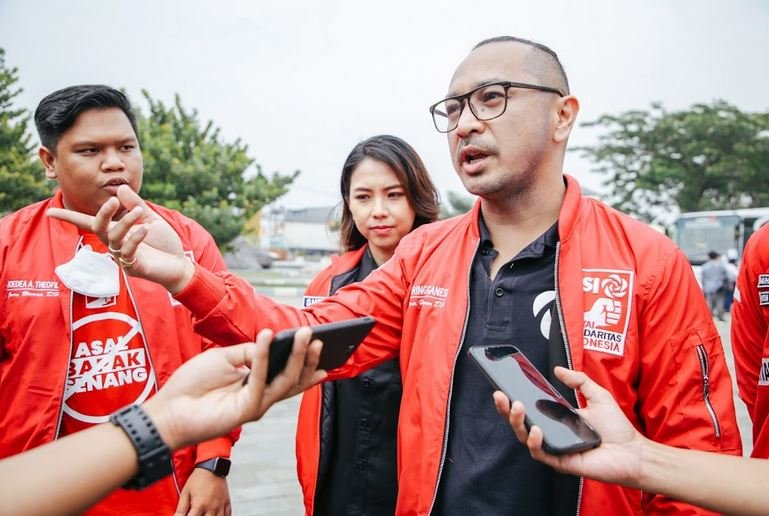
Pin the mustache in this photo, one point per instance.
(484, 147)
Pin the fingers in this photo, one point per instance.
(534, 443)
(295, 368)
(243, 354)
(581, 381)
(103, 218)
(514, 413)
(517, 418)
(119, 233)
(111, 233)
(300, 371)
(502, 403)
(184, 503)
(76, 218)
(310, 373)
(257, 355)
(130, 199)
(127, 246)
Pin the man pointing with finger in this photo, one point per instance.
(78, 338)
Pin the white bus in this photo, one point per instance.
(724, 231)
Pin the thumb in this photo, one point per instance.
(184, 503)
(581, 381)
(130, 199)
(239, 354)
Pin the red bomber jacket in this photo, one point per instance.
(750, 336)
(35, 338)
(631, 313)
(308, 426)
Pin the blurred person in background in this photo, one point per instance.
(731, 281)
(714, 277)
(347, 429)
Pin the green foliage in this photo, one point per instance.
(189, 168)
(458, 204)
(22, 179)
(711, 156)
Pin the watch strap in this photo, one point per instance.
(154, 455)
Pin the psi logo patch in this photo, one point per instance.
(607, 296)
(310, 300)
(763, 281)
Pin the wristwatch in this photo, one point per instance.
(219, 466)
(153, 454)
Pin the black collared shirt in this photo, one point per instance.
(486, 471)
(362, 474)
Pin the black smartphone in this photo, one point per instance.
(339, 338)
(563, 430)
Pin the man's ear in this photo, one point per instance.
(566, 116)
(49, 161)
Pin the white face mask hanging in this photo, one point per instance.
(91, 274)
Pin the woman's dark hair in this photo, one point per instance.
(410, 171)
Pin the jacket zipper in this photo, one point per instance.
(66, 375)
(69, 356)
(152, 366)
(559, 314)
(451, 390)
(331, 291)
(702, 356)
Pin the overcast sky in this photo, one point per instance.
(301, 82)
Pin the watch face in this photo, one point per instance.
(219, 466)
(222, 467)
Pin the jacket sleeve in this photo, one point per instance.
(684, 387)
(217, 447)
(207, 254)
(749, 326)
(228, 311)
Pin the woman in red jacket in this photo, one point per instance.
(346, 434)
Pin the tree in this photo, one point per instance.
(22, 179)
(188, 167)
(458, 204)
(711, 156)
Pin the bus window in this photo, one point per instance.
(697, 236)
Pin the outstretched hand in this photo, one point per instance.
(140, 239)
(206, 397)
(616, 460)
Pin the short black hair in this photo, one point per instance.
(550, 68)
(58, 111)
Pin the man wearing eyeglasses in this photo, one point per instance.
(566, 279)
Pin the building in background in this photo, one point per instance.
(307, 232)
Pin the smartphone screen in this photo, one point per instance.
(564, 431)
(339, 338)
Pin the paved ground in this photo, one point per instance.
(263, 478)
(743, 420)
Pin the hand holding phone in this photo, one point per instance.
(339, 339)
(563, 430)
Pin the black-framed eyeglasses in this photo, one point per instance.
(486, 102)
